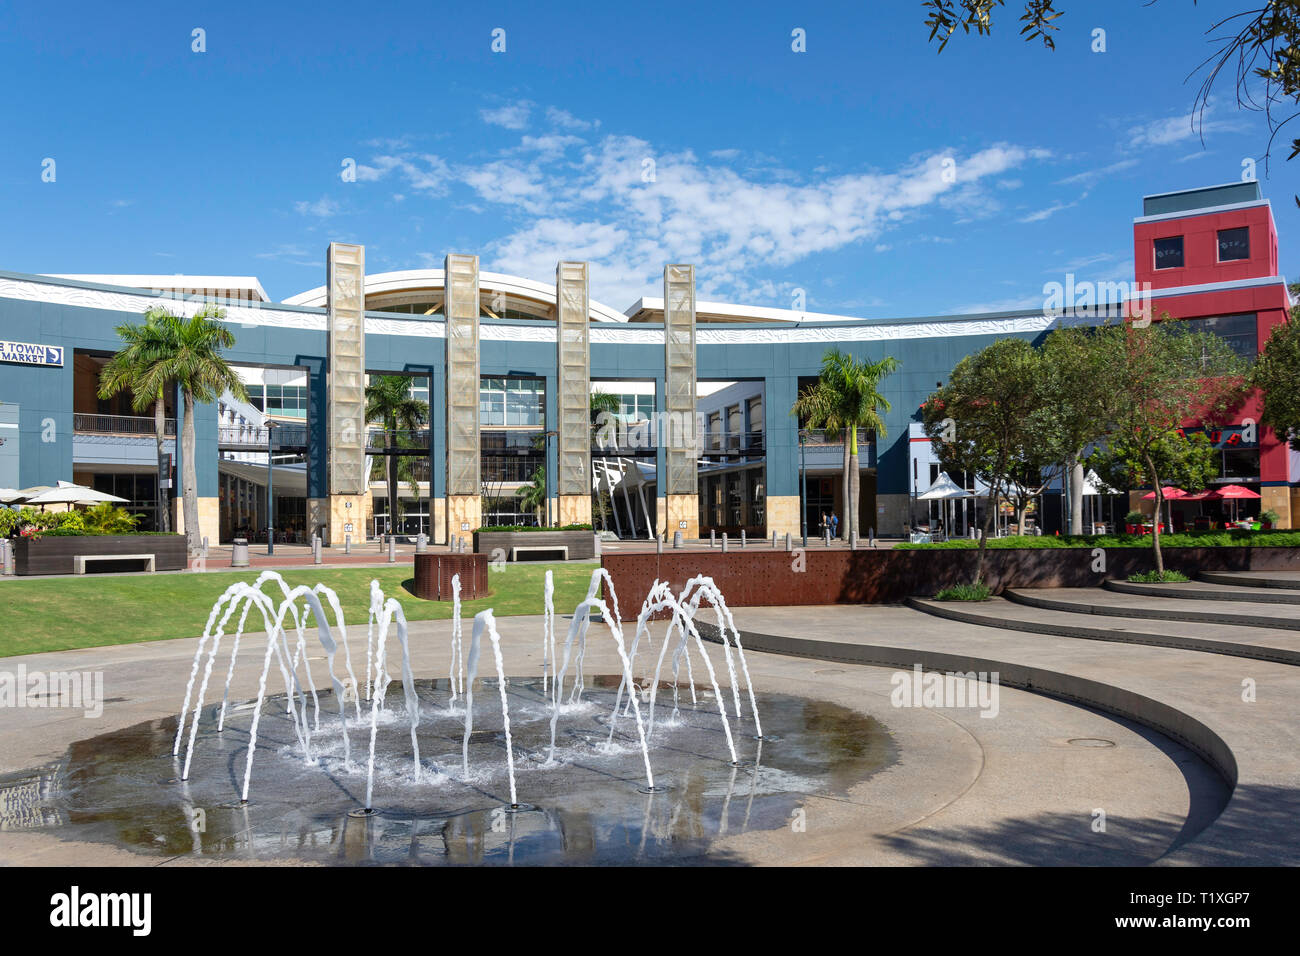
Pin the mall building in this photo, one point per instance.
(511, 369)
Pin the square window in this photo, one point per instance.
(1169, 253)
(1234, 244)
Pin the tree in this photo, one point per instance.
(533, 495)
(989, 420)
(815, 406)
(1164, 376)
(1074, 400)
(847, 397)
(1262, 55)
(125, 371)
(603, 406)
(389, 401)
(1276, 374)
(187, 353)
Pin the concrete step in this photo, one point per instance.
(1208, 591)
(1280, 646)
(1288, 580)
(1112, 604)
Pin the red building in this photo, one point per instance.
(1210, 255)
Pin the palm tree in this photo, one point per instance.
(602, 401)
(847, 397)
(124, 372)
(388, 400)
(186, 353)
(533, 496)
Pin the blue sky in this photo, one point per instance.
(774, 171)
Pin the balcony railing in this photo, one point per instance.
(413, 439)
(141, 425)
(254, 437)
(819, 436)
(497, 468)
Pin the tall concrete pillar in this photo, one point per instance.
(464, 507)
(346, 390)
(573, 405)
(681, 432)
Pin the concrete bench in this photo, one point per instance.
(79, 560)
(514, 552)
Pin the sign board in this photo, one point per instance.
(682, 525)
(24, 353)
(347, 528)
(464, 526)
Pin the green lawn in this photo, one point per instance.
(54, 614)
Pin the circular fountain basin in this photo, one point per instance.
(584, 803)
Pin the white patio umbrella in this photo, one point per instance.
(9, 496)
(66, 493)
(1094, 486)
(944, 489)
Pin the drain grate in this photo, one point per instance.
(1091, 742)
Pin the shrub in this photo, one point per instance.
(40, 520)
(1134, 517)
(70, 522)
(9, 522)
(964, 592)
(1188, 539)
(1158, 577)
(105, 518)
(530, 527)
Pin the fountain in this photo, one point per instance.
(566, 751)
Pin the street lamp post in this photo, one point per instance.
(547, 490)
(803, 487)
(270, 489)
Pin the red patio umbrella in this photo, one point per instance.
(1233, 493)
(1170, 494)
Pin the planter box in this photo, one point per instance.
(55, 554)
(434, 571)
(581, 544)
(757, 577)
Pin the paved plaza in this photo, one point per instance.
(1114, 742)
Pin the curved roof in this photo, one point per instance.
(386, 288)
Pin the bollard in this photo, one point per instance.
(742, 537)
(598, 546)
(316, 555)
(853, 541)
(871, 537)
(677, 539)
(724, 542)
(659, 545)
(239, 553)
(392, 549)
(347, 544)
(789, 543)
(205, 546)
(421, 543)
(713, 538)
(774, 540)
(8, 548)
(826, 537)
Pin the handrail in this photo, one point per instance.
(120, 424)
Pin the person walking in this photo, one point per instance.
(835, 526)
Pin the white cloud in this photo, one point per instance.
(566, 120)
(321, 208)
(569, 198)
(1176, 129)
(1090, 176)
(511, 116)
